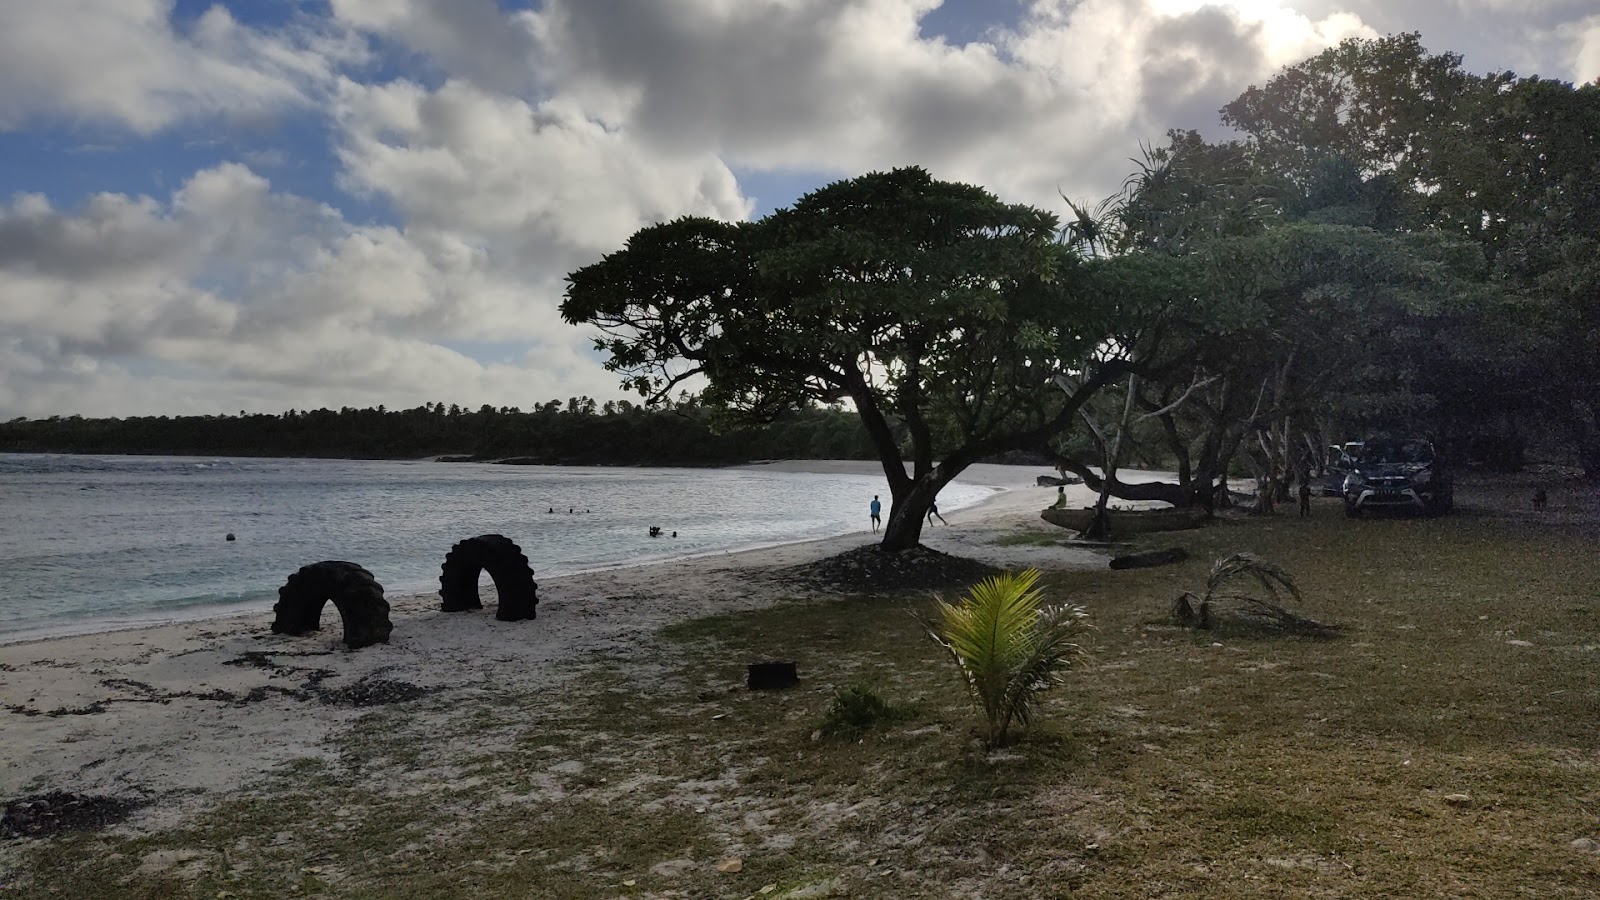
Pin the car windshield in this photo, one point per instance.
(1414, 451)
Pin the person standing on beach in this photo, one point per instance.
(933, 513)
(875, 509)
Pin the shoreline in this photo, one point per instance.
(177, 712)
(993, 477)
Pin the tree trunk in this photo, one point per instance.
(908, 511)
(1100, 526)
(904, 528)
(1164, 491)
(1586, 428)
(1180, 456)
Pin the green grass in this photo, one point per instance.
(1168, 766)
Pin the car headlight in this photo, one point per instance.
(1353, 481)
(1422, 478)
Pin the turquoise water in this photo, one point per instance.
(89, 542)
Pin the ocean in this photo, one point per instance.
(89, 543)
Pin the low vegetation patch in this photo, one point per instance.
(1244, 592)
(856, 710)
(1010, 646)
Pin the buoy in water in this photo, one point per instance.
(230, 536)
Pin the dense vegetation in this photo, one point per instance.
(579, 432)
(1393, 243)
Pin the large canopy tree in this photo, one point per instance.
(1395, 242)
(1286, 322)
(938, 312)
(1512, 164)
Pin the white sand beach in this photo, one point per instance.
(178, 714)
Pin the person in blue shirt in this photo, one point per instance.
(876, 509)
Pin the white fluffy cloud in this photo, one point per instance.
(228, 294)
(541, 178)
(122, 62)
(1584, 38)
(842, 86)
(517, 145)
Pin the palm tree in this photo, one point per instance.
(1009, 646)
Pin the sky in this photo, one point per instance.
(258, 205)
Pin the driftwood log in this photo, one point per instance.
(1150, 559)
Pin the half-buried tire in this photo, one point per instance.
(505, 563)
(354, 592)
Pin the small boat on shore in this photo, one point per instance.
(1127, 521)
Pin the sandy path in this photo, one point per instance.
(187, 710)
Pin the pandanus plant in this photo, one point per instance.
(1010, 646)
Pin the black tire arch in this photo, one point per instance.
(354, 592)
(505, 563)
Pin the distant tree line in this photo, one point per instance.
(578, 431)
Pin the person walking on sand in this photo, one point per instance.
(875, 508)
(933, 513)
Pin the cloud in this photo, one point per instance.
(850, 85)
(228, 289)
(470, 38)
(538, 179)
(1584, 39)
(503, 148)
(122, 63)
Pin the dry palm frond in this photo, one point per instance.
(1271, 576)
(1230, 581)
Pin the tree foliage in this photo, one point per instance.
(1510, 164)
(1394, 242)
(929, 306)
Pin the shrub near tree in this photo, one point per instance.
(936, 310)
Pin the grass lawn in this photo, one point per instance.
(1177, 763)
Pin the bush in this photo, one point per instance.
(856, 710)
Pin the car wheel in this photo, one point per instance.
(1351, 511)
